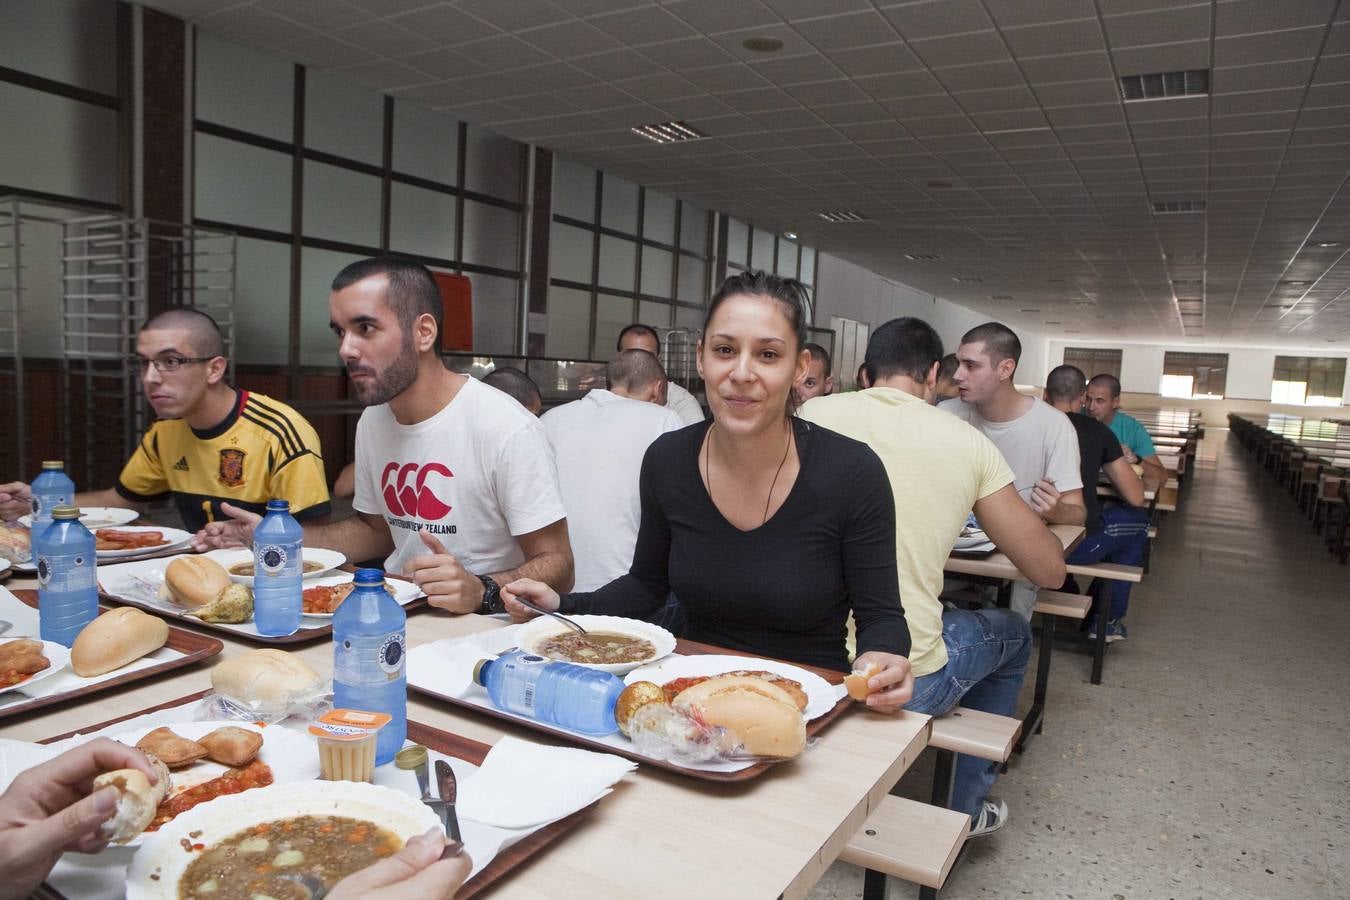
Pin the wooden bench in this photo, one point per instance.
(910, 840)
(1051, 605)
(1106, 572)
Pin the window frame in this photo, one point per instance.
(1307, 367)
(1182, 364)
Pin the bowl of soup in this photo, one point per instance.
(236, 847)
(239, 563)
(611, 644)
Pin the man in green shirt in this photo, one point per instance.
(1103, 404)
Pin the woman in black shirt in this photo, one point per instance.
(768, 529)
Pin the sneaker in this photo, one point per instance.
(993, 816)
(1115, 631)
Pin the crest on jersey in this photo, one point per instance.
(232, 467)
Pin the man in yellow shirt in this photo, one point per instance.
(940, 468)
(211, 443)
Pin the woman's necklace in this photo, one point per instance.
(707, 470)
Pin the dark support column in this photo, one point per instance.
(163, 150)
(540, 222)
(297, 227)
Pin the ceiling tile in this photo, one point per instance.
(657, 87)
(797, 69)
(515, 15)
(445, 24)
(879, 60)
(793, 43)
(327, 52)
(810, 9)
(851, 113)
(1011, 13)
(687, 53)
(554, 76)
(316, 14)
(1251, 16)
(937, 18)
(961, 49)
(645, 25)
(255, 26)
(931, 105)
(1189, 23)
(384, 39)
(570, 39)
(714, 16)
(826, 92)
(1293, 73)
(443, 63)
(597, 7)
(979, 76)
(593, 97)
(996, 99)
(782, 119)
(615, 64)
(721, 79)
(385, 74)
(860, 29)
(1080, 93)
(1055, 38)
(899, 85)
(1276, 46)
(758, 100)
(1068, 67)
(504, 52)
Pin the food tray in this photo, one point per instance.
(306, 632)
(194, 647)
(686, 648)
(507, 860)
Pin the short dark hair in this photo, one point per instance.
(949, 365)
(639, 327)
(510, 380)
(1112, 382)
(819, 354)
(1065, 383)
(412, 290)
(634, 369)
(999, 341)
(904, 346)
(203, 330)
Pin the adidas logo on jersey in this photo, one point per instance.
(181, 465)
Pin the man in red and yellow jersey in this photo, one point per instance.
(211, 443)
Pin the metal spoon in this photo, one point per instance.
(563, 619)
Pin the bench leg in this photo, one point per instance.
(874, 885)
(944, 778)
(1099, 645)
(1036, 715)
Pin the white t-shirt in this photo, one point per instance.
(683, 404)
(473, 475)
(1040, 443)
(599, 442)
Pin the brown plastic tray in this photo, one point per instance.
(687, 648)
(301, 636)
(458, 746)
(195, 647)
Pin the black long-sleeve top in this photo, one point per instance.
(783, 589)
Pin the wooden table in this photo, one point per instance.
(997, 565)
(772, 836)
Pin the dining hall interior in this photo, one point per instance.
(1149, 193)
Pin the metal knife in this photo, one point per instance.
(447, 787)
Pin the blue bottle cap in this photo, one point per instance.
(276, 505)
(369, 576)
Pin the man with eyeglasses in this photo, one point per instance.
(211, 443)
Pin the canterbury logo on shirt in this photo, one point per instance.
(406, 492)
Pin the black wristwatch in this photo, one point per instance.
(492, 597)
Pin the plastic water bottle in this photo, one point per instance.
(574, 697)
(52, 488)
(67, 576)
(278, 569)
(369, 647)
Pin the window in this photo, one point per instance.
(1308, 381)
(1194, 376)
(646, 258)
(768, 251)
(1093, 360)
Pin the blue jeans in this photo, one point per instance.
(987, 654)
(1122, 539)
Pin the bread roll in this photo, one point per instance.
(855, 682)
(265, 676)
(117, 637)
(137, 801)
(194, 581)
(762, 715)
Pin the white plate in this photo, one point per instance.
(405, 592)
(292, 757)
(92, 517)
(329, 559)
(820, 695)
(176, 539)
(57, 653)
(162, 854)
(535, 631)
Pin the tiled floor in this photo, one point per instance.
(1215, 759)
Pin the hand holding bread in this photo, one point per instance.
(890, 684)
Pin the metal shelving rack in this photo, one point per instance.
(113, 270)
(679, 350)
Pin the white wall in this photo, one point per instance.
(845, 289)
(1249, 368)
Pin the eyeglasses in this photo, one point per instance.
(163, 364)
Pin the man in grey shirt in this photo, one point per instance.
(1037, 440)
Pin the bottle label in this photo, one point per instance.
(43, 511)
(369, 660)
(271, 559)
(66, 573)
(523, 673)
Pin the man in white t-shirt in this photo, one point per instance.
(1037, 440)
(678, 400)
(599, 442)
(455, 481)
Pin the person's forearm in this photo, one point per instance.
(107, 497)
(1066, 514)
(553, 567)
(1155, 476)
(355, 538)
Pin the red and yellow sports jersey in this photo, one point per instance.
(263, 450)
